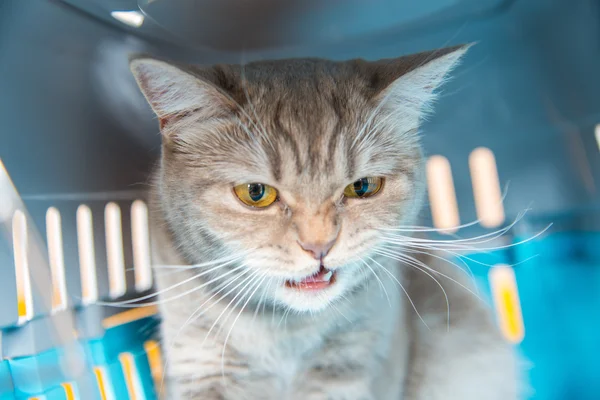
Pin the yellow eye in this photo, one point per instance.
(364, 187)
(256, 195)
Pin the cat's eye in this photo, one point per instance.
(256, 195)
(364, 187)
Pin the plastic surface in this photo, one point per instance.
(77, 131)
(558, 280)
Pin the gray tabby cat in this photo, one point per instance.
(281, 184)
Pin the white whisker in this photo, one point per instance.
(134, 303)
(248, 281)
(261, 299)
(157, 293)
(403, 289)
(194, 315)
(449, 261)
(340, 311)
(474, 240)
(379, 280)
(257, 285)
(421, 263)
(416, 228)
(443, 243)
(415, 264)
(284, 316)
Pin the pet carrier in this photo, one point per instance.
(513, 162)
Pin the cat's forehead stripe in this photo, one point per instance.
(310, 133)
(287, 137)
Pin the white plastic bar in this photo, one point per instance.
(57, 259)
(33, 271)
(24, 294)
(442, 196)
(486, 188)
(503, 283)
(597, 134)
(7, 191)
(141, 246)
(104, 383)
(132, 376)
(87, 255)
(114, 250)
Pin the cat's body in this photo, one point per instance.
(373, 351)
(306, 299)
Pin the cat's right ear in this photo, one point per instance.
(173, 93)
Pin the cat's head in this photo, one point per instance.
(295, 166)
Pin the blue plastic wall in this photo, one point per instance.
(73, 125)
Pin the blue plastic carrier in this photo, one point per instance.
(79, 140)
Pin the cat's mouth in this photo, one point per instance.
(322, 279)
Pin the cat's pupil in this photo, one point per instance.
(256, 191)
(361, 186)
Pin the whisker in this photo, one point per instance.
(379, 280)
(288, 309)
(416, 265)
(460, 257)
(484, 249)
(273, 315)
(266, 291)
(261, 299)
(204, 264)
(456, 244)
(201, 311)
(436, 272)
(157, 293)
(134, 303)
(474, 240)
(251, 279)
(417, 228)
(409, 250)
(517, 219)
(257, 285)
(194, 315)
(403, 289)
(340, 311)
(246, 289)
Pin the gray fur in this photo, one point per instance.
(308, 127)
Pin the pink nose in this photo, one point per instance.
(317, 250)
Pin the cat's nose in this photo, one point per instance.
(317, 250)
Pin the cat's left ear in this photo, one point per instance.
(407, 86)
(173, 93)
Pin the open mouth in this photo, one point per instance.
(322, 279)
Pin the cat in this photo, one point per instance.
(280, 184)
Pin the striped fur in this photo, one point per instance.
(307, 127)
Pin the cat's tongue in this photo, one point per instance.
(318, 281)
